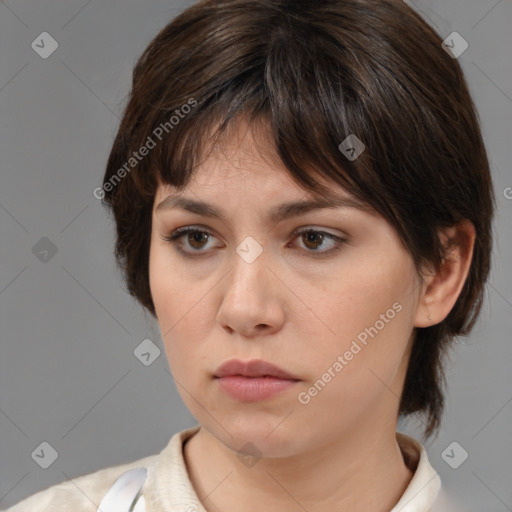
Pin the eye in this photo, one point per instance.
(315, 239)
(196, 239)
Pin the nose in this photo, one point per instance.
(252, 298)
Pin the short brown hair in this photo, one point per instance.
(317, 72)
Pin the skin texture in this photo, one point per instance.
(338, 451)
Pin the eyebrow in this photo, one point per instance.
(276, 214)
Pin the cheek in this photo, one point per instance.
(181, 312)
(159, 283)
(368, 312)
(355, 369)
(168, 284)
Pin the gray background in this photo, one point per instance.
(68, 374)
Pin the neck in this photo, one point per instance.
(363, 471)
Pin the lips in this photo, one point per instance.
(253, 381)
(252, 368)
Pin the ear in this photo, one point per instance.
(441, 288)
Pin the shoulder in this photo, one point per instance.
(84, 493)
(81, 494)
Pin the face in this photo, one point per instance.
(328, 295)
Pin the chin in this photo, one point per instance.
(257, 437)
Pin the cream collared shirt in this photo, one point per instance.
(168, 488)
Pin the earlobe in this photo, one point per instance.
(442, 287)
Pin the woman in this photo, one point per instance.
(303, 202)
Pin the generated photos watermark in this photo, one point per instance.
(304, 397)
(143, 151)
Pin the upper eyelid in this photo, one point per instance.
(182, 231)
(204, 229)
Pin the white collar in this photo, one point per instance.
(424, 487)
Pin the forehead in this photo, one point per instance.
(243, 150)
(244, 159)
(220, 185)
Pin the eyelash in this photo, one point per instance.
(174, 237)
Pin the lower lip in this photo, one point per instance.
(254, 389)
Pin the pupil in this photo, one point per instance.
(199, 237)
(312, 236)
